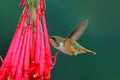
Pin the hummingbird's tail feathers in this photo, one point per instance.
(86, 51)
(92, 52)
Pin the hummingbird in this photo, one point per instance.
(69, 45)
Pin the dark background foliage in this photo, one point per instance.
(102, 35)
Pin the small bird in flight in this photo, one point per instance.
(69, 45)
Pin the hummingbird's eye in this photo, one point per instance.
(54, 41)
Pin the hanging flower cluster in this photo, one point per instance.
(29, 55)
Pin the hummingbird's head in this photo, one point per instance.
(55, 41)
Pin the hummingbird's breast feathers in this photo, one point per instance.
(63, 49)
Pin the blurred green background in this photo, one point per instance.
(102, 35)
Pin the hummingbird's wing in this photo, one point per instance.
(77, 32)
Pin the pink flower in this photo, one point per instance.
(29, 55)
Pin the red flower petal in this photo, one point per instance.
(42, 5)
(29, 55)
(22, 3)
